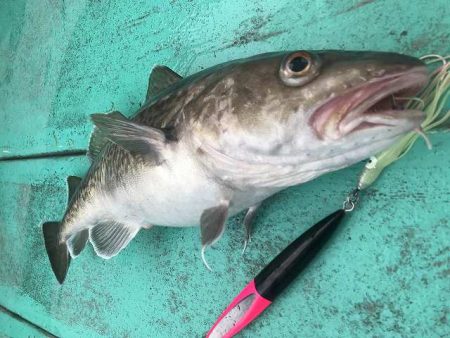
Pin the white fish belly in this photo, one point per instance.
(174, 193)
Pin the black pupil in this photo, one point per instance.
(298, 64)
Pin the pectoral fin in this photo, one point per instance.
(131, 136)
(212, 225)
(98, 139)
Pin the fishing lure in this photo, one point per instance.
(432, 100)
(279, 273)
(284, 268)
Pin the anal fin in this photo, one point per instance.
(77, 242)
(109, 238)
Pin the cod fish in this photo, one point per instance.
(206, 147)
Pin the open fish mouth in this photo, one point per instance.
(371, 105)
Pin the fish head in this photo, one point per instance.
(280, 119)
(362, 95)
(337, 93)
(321, 106)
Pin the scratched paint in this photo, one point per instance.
(386, 272)
(380, 275)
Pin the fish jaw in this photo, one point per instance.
(356, 110)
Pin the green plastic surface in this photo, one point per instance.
(385, 273)
(13, 326)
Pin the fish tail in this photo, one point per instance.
(57, 250)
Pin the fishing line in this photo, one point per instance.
(55, 154)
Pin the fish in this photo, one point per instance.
(206, 147)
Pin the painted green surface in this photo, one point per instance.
(12, 327)
(386, 274)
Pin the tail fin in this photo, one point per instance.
(57, 252)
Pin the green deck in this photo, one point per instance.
(385, 274)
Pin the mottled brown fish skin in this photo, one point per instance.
(244, 88)
(255, 79)
(233, 135)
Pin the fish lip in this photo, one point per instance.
(356, 103)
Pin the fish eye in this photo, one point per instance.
(298, 63)
(299, 68)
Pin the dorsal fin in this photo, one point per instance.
(73, 182)
(98, 139)
(161, 78)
